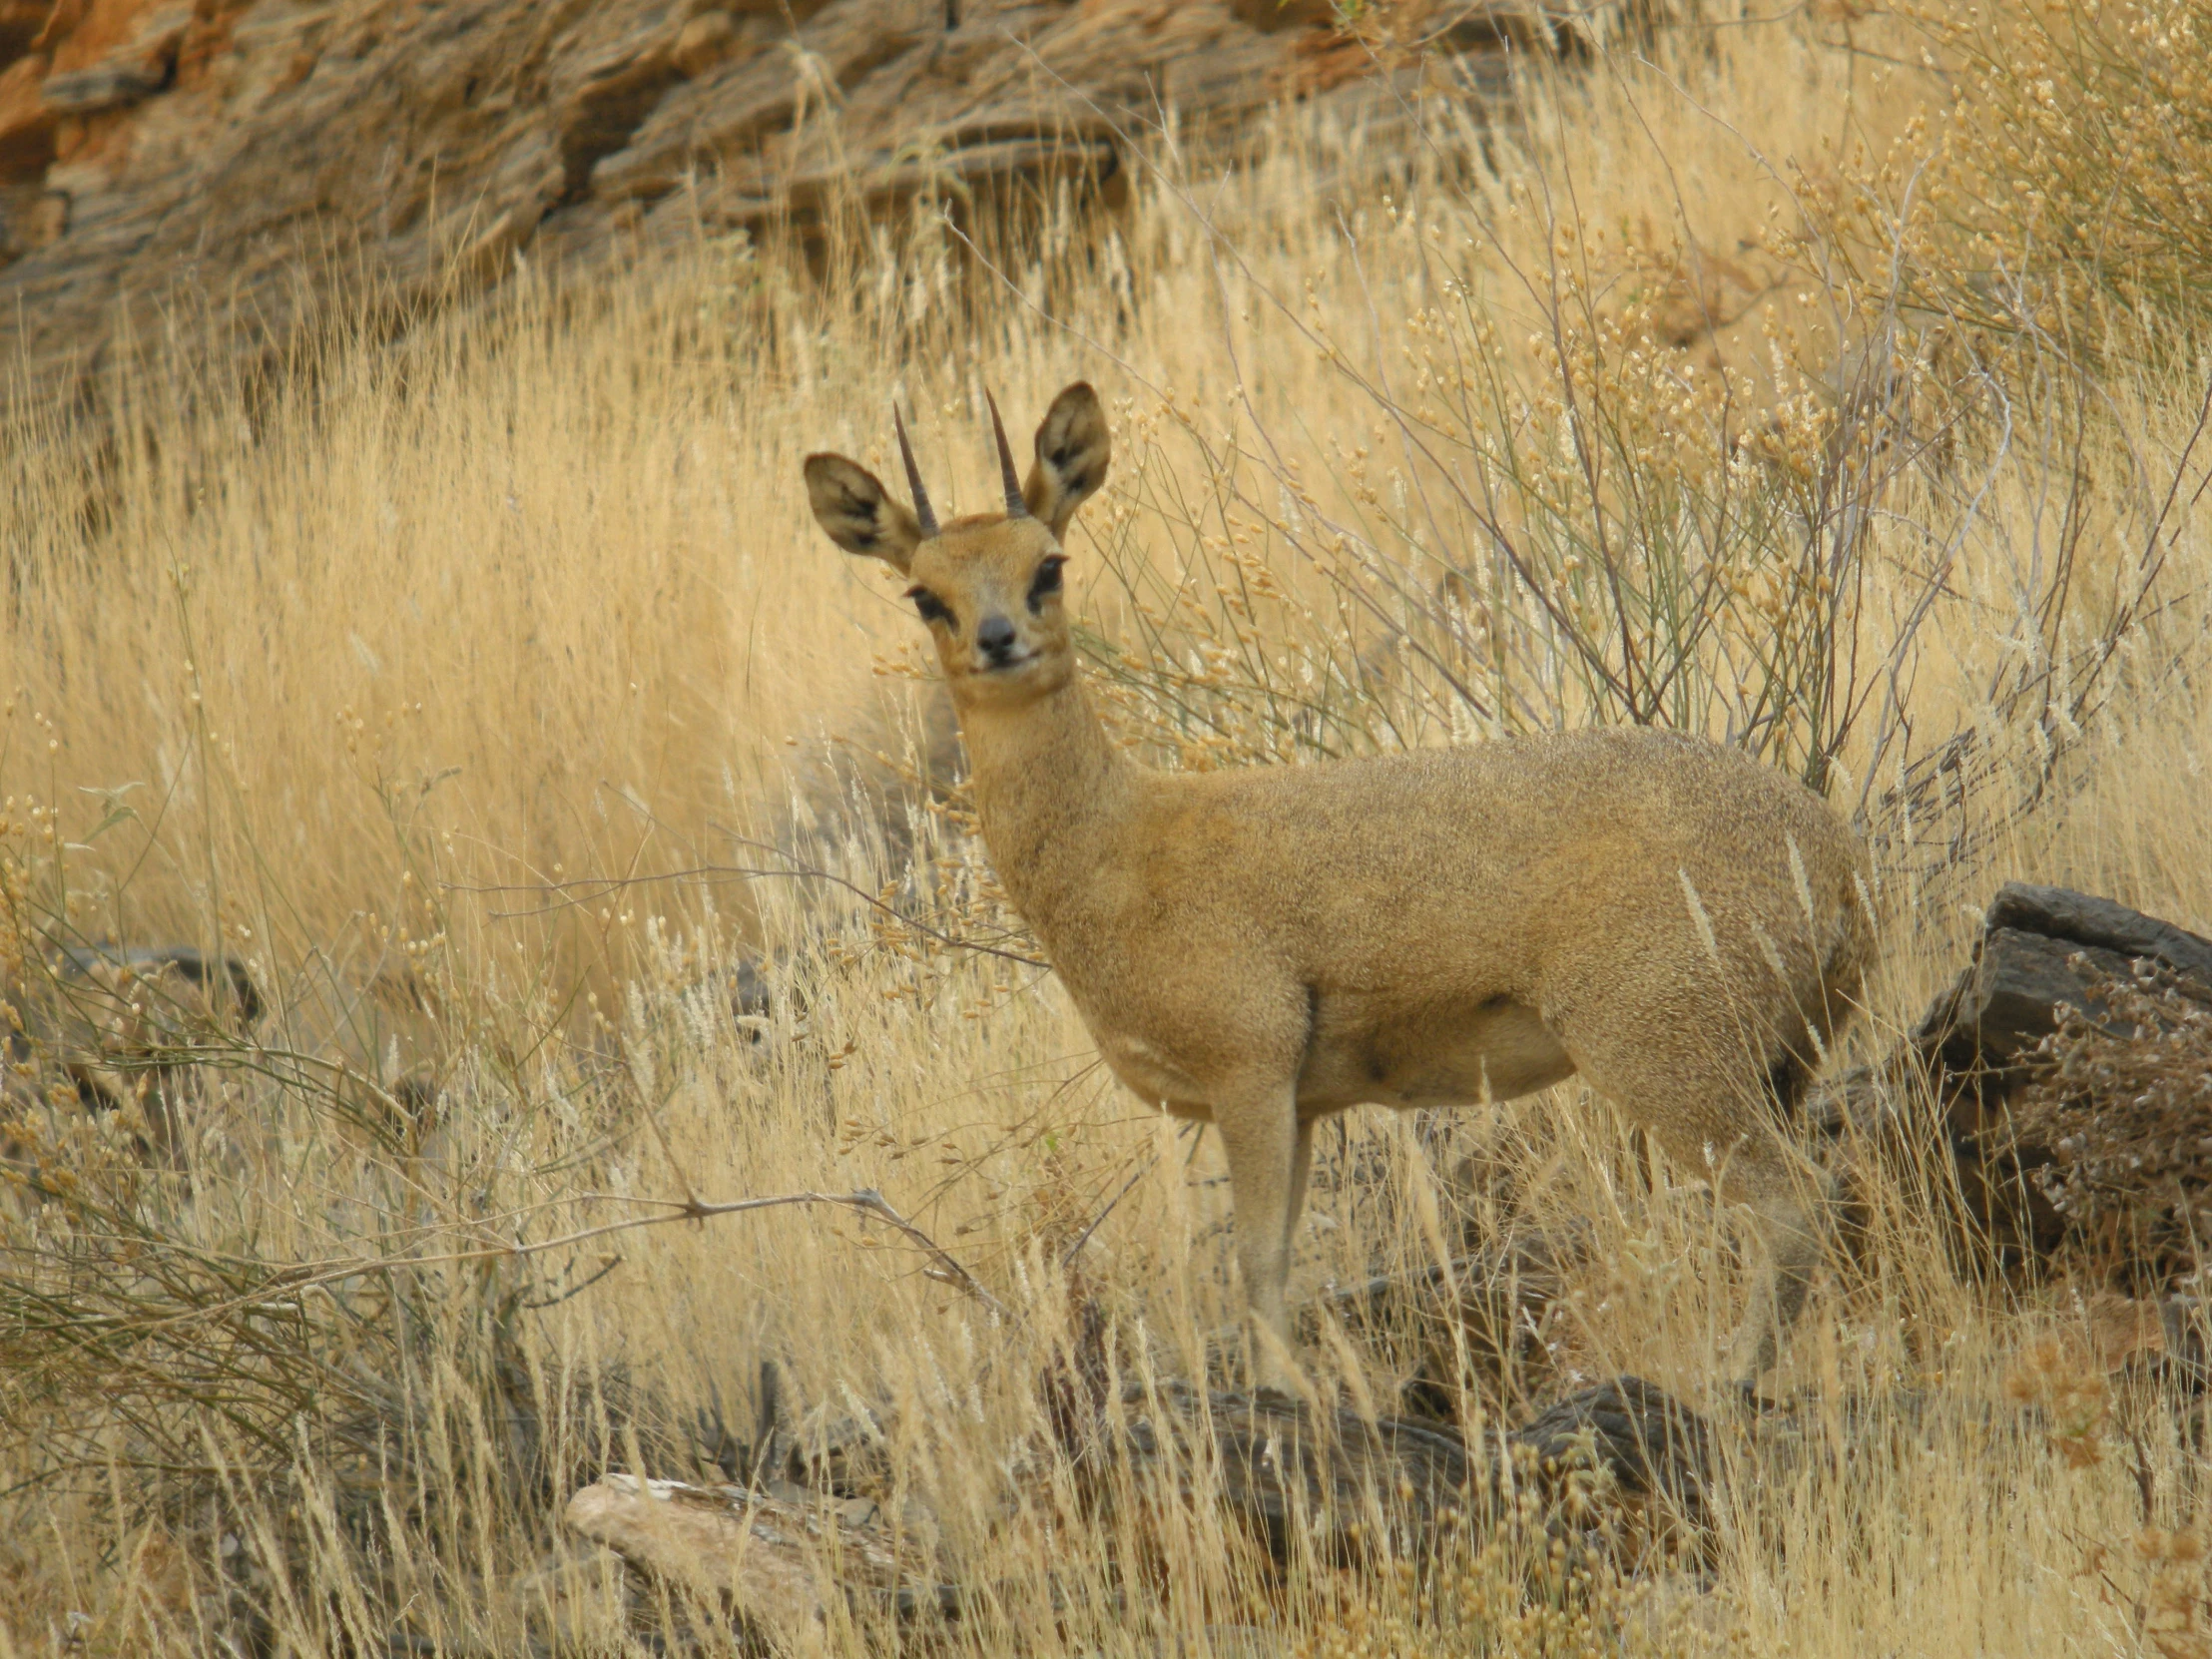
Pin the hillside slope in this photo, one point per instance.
(224, 161)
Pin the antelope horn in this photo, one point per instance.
(1016, 507)
(913, 480)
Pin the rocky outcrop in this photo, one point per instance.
(230, 162)
(119, 1028)
(2068, 1062)
(773, 1563)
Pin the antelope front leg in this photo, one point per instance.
(1260, 1134)
(1302, 1165)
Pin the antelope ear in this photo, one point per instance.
(1074, 451)
(858, 514)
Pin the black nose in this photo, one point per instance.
(994, 637)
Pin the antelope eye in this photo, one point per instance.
(932, 608)
(1046, 581)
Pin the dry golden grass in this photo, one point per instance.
(419, 683)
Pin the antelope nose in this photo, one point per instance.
(994, 637)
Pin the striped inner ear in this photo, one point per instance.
(858, 513)
(1074, 451)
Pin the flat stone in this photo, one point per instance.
(2060, 914)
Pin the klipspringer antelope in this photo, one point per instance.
(1257, 949)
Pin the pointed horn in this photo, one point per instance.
(913, 480)
(1016, 507)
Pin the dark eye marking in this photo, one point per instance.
(1046, 581)
(932, 608)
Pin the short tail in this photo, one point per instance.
(1851, 942)
(1846, 954)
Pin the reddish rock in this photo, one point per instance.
(119, 52)
(154, 148)
(21, 23)
(703, 42)
(26, 124)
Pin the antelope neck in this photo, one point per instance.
(1053, 791)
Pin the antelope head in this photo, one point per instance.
(986, 584)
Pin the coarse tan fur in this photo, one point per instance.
(1257, 948)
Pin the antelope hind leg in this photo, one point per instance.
(1705, 1114)
(1775, 1188)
